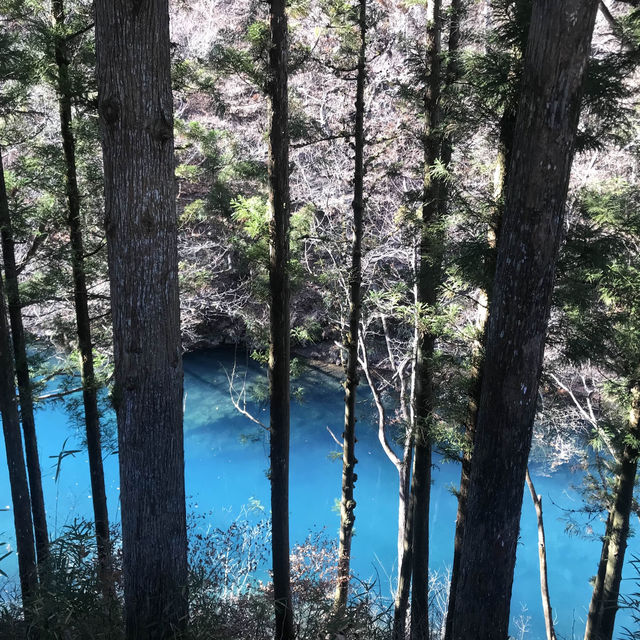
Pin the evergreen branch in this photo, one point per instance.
(72, 36)
(39, 238)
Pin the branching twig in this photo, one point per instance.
(241, 397)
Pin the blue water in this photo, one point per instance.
(226, 471)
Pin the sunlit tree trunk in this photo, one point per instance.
(136, 117)
(542, 558)
(83, 322)
(347, 503)
(280, 325)
(23, 378)
(554, 66)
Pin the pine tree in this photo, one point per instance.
(15, 457)
(83, 322)
(18, 66)
(598, 302)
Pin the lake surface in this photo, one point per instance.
(226, 460)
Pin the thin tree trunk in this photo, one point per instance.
(596, 598)
(17, 472)
(404, 491)
(428, 282)
(83, 322)
(347, 503)
(405, 563)
(22, 375)
(279, 352)
(403, 466)
(555, 62)
(136, 112)
(401, 603)
(542, 556)
(604, 603)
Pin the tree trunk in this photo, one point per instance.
(22, 375)
(596, 598)
(135, 106)
(542, 556)
(17, 472)
(403, 466)
(279, 352)
(405, 565)
(555, 61)
(348, 504)
(507, 123)
(428, 282)
(604, 603)
(83, 322)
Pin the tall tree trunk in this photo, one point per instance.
(15, 461)
(428, 282)
(135, 106)
(555, 62)
(542, 557)
(83, 322)
(507, 123)
(604, 605)
(347, 503)
(22, 375)
(279, 351)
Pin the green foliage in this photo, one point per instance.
(248, 58)
(212, 163)
(599, 280)
(631, 603)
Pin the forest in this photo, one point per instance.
(434, 203)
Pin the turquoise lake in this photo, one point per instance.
(226, 471)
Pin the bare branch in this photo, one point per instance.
(589, 417)
(333, 435)
(239, 401)
(382, 434)
(57, 394)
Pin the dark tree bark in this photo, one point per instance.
(83, 322)
(22, 375)
(347, 503)
(15, 461)
(555, 62)
(280, 322)
(428, 282)
(135, 106)
(542, 558)
(505, 142)
(604, 602)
